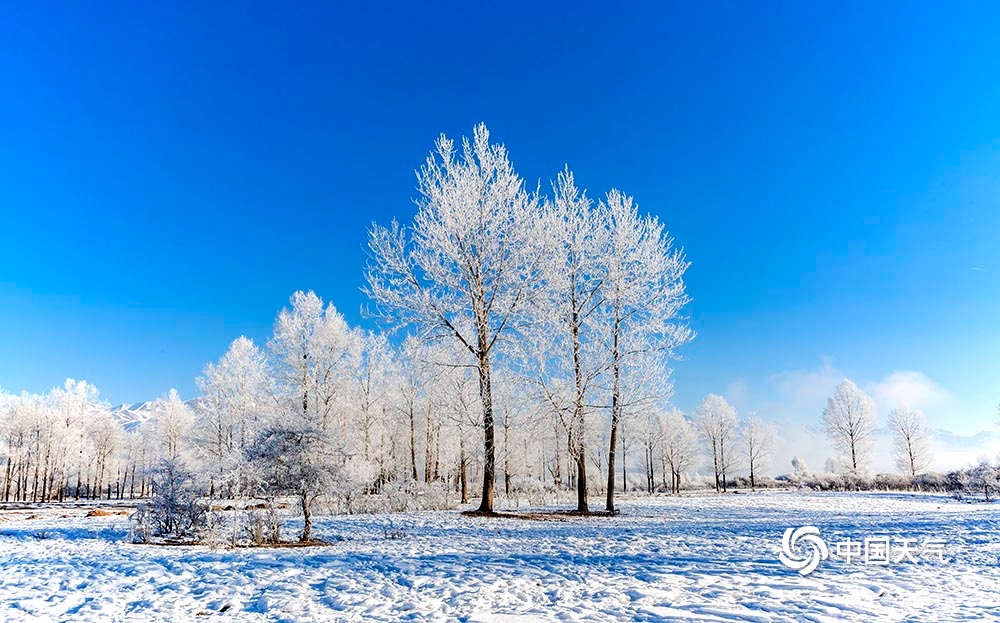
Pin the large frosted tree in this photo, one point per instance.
(849, 419)
(643, 295)
(466, 267)
(573, 272)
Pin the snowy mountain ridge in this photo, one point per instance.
(132, 416)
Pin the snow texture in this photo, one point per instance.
(694, 558)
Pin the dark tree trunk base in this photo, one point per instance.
(557, 515)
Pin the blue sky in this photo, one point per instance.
(170, 174)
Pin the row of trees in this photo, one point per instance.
(565, 312)
(364, 415)
(530, 342)
(583, 299)
(66, 445)
(849, 419)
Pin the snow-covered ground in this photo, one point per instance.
(694, 558)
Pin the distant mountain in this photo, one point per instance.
(132, 416)
(947, 440)
(953, 451)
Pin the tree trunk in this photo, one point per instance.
(6, 482)
(649, 469)
(557, 470)
(306, 519)
(436, 473)
(715, 464)
(616, 359)
(581, 423)
(506, 457)
(624, 466)
(236, 523)
(428, 453)
(413, 444)
(489, 426)
(722, 463)
(462, 468)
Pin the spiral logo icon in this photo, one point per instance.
(805, 537)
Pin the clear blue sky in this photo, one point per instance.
(170, 174)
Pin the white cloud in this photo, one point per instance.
(795, 400)
(916, 391)
(737, 393)
(800, 395)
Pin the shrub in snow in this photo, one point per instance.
(981, 479)
(298, 461)
(930, 481)
(892, 482)
(984, 478)
(759, 482)
(799, 467)
(400, 495)
(262, 524)
(175, 510)
(533, 490)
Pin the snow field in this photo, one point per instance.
(694, 558)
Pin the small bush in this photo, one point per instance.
(175, 510)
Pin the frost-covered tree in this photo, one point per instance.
(651, 439)
(306, 450)
(106, 439)
(67, 444)
(573, 272)
(454, 397)
(910, 441)
(314, 356)
(644, 294)
(466, 267)
(715, 421)
(175, 510)
(413, 402)
(799, 467)
(680, 447)
(758, 443)
(372, 379)
(521, 420)
(237, 402)
(295, 458)
(85, 441)
(172, 421)
(849, 419)
(984, 476)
